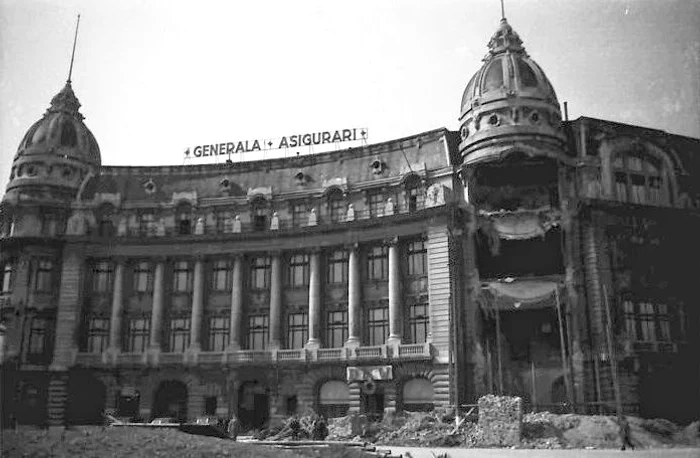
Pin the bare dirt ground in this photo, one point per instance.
(97, 441)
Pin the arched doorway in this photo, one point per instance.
(86, 399)
(333, 399)
(418, 395)
(253, 405)
(170, 400)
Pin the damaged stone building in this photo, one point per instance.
(524, 254)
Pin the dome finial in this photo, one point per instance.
(72, 56)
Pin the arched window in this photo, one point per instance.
(418, 395)
(259, 211)
(334, 399)
(640, 179)
(336, 205)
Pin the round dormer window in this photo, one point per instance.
(494, 120)
(535, 117)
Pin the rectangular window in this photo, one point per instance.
(297, 330)
(338, 267)
(298, 272)
(138, 333)
(44, 276)
(378, 325)
(143, 277)
(621, 186)
(638, 194)
(376, 204)
(179, 334)
(38, 333)
(662, 320)
(259, 218)
(416, 199)
(102, 275)
(418, 322)
(337, 209)
(147, 224)
(417, 254)
(258, 332)
(219, 332)
(300, 215)
(654, 190)
(224, 222)
(97, 334)
(260, 269)
(336, 328)
(647, 322)
(6, 280)
(377, 263)
(221, 275)
(182, 277)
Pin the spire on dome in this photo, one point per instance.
(65, 102)
(505, 39)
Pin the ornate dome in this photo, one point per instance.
(509, 96)
(57, 152)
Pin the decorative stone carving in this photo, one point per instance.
(389, 207)
(186, 196)
(122, 227)
(77, 223)
(160, 228)
(435, 196)
(199, 227)
(312, 218)
(236, 225)
(274, 222)
(150, 187)
(108, 197)
(351, 213)
(377, 166)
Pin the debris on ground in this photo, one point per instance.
(501, 420)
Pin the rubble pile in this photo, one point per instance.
(306, 427)
(501, 420)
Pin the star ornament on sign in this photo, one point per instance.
(187, 152)
(363, 133)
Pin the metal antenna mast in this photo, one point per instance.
(503, 11)
(72, 57)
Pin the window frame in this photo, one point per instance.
(179, 328)
(333, 326)
(260, 273)
(377, 260)
(218, 337)
(44, 275)
(640, 178)
(253, 336)
(219, 268)
(298, 270)
(141, 334)
(417, 322)
(416, 255)
(377, 324)
(7, 277)
(182, 277)
(338, 262)
(97, 337)
(143, 285)
(297, 333)
(102, 276)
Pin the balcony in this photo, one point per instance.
(375, 352)
(130, 359)
(420, 351)
(170, 358)
(211, 357)
(331, 354)
(89, 359)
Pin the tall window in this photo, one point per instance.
(639, 179)
(646, 321)
(219, 326)
(49, 224)
(260, 269)
(44, 275)
(147, 224)
(259, 215)
(224, 222)
(300, 214)
(336, 328)
(298, 272)
(184, 220)
(338, 267)
(6, 280)
(221, 275)
(297, 330)
(415, 197)
(102, 275)
(376, 204)
(336, 207)
(38, 339)
(378, 263)
(97, 334)
(417, 254)
(143, 277)
(179, 334)
(418, 321)
(182, 277)
(378, 325)
(258, 332)
(138, 331)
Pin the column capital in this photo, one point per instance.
(391, 241)
(354, 246)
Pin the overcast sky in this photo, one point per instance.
(157, 77)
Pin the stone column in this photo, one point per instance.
(275, 301)
(197, 306)
(157, 310)
(115, 325)
(395, 302)
(314, 301)
(354, 292)
(236, 304)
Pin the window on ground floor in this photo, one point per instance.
(333, 399)
(418, 321)
(418, 395)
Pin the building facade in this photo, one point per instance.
(524, 254)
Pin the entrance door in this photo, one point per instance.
(253, 405)
(171, 400)
(373, 406)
